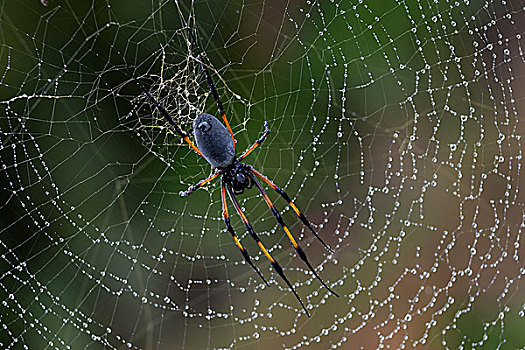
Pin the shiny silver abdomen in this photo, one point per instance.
(214, 140)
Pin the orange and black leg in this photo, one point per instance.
(215, 95)
(252, 233)
(226, 217)
(212, 87)
(166, 115)
(291, 237)
(257, 143)
(294, 207)
(199, 184)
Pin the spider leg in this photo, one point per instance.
(198, 185)
(257, 143)
(294, 207)
(226, 217)
(166, 115)
(252, 233)
(212, 87)
(291, 237)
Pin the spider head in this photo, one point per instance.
(240, 182)
(238, 177)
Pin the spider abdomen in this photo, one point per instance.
(214, 140)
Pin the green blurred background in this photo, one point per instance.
(394, 126)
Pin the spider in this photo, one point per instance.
(216, 144)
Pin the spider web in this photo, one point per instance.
(396, 127)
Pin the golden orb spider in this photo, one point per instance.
(216, 144)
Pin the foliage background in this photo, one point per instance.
(395, 125)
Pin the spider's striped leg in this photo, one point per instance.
(257, 143)
(252, 233)
(198, 185)
(294, 207)
(226, 217)
(291, 237)
(166, 115)
(212, 87)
